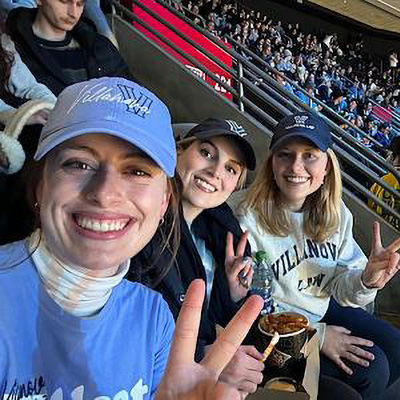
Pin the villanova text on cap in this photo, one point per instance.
(135, 100)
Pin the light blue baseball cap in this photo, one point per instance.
(114, 106)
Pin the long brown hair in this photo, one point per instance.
(6, 61)
(321, 209)
(169, 231)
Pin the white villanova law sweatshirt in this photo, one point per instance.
(307, 273)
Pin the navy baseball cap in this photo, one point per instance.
(305, 125)
(224, 127)
(114, 106)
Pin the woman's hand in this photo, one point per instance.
(383, 263)
(238, 269)
(339, 345)
(244, 371)
(184, 379)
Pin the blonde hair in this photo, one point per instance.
(186, 143)
(321, 209)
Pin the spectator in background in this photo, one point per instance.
(391, 180)
(280, 79)
(337, 104)
(195, 17)
(372, 88)
(326, 42)
(177, 4)
(92, 10)
(310, 87)
(367, 110)
(335, 101)
(380, 99)
(393, 63)
(349, 127)
(285, 64)
(211, 28)
(355, 91)
(301, 70)
(360, 122)
(95, 13)
(372, 128)
(324, 90)
(383, 135)
(59, 47)
(352, 109)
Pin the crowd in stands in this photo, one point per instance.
(343, 76)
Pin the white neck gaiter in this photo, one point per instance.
(72, 287)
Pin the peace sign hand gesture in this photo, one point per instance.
(184, 379)
(383, 263)
(238, 269)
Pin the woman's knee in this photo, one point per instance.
(380, 364)
(370, 382)
(373, 380)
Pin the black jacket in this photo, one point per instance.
(101, 57)
(212, 226)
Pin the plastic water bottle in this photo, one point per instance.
(262, 281)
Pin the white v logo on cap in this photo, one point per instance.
(236, 128)
(140, 105)
(301, 119)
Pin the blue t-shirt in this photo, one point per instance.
(47, 353)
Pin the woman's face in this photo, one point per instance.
(101, 200)
(299, 169)
(210, 170)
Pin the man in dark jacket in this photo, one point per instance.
(59, 47)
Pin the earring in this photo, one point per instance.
(161, 221)
(36, 206)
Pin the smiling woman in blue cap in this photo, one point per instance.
(295, 213)
(70, 325)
